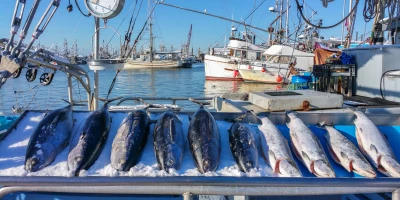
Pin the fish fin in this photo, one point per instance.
(347, 160)
(333, 155)
(344, 156)
(304, 155)
(373, 148)
(271, 154)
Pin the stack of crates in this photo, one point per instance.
(327, 73)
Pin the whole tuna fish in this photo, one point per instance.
(169, 141)
(374, 145)
(243, 147)
(204, 140)
(49, 139)
(130, 140)
(308, 148)
(88, 142)
(345, 153)
(276, 151)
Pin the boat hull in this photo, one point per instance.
(222, 69)
(269, 76)
(157, 64)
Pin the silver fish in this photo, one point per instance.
(89, 141)
(130, 139)
(276, 151)
(308, 148)
(375, 146)
(51, 136)
(345, 153)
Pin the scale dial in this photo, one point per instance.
(104, 9)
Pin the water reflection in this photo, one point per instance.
(139, 83)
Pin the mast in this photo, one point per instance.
(150, 13)
(344, 11)
(151, 42)
(287, 21)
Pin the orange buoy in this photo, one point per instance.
(235, 73)
(279, 79)
(263, 69)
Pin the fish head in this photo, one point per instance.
(173, 157)
(249, 160)
(363, 168)
(288, 168)
(389, 166)
(32, 164)
(322, 168)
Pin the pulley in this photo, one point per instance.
(17, 73)
(46, 78)
(31, 74)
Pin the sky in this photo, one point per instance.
(171, 25)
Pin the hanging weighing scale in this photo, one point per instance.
(104, 9)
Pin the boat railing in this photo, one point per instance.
(172, 99)
(188, 186)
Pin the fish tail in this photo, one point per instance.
(391, 166)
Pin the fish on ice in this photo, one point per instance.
(50, 137)
(168, 141)
(276, 151)
(375, 146)
(308, 148)
(204, 140)
(345, 153)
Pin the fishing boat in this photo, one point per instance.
(276, 67)
(225, 67)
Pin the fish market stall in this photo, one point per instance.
(147, 178)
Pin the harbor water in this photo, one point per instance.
(19, 93)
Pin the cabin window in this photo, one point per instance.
(285, 59)
(238, 54)
(258, 56)
(244, 54)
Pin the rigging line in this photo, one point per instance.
(76, 27)
(300, 10)
(254, 10)
(126, 15)
(134, 22)
(141, 31)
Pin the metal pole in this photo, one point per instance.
(344, 11)
(287, 21)
(70, 99)
(96, 56)
(187, 196)
(396, 195)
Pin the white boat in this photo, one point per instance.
(225, 67)
(276, 67)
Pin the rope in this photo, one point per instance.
(112, 83)
(300, 10)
